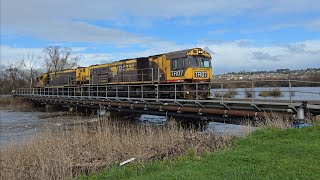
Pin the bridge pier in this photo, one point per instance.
(51, 107)
(72, 109)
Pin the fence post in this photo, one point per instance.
(116, 91)
(157, 89)
(222, 92)
(175, 92)
(128, 91)
(106, 91)
(252, 91)
(141, 91)
(97, 92)
(290, 92)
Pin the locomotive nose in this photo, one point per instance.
(200, 74)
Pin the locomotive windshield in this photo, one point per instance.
(199, 61)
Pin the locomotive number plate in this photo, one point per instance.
(200, 74)
(177, 73)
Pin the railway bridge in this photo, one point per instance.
(252, 99)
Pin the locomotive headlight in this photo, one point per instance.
(199, 51)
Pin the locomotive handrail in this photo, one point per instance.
(116, 78)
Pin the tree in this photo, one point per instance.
(12, 76)
(30, 61)
(58, 58)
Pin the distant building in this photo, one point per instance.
(283, 70)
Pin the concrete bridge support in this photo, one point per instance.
(51, 107)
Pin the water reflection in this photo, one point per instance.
(158, 120)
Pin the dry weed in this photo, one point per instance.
(15, 104)
(272, 120)
(90, 147)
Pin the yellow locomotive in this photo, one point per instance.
(186, 66)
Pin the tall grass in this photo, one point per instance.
(16, 104)
(230, 93)
(88, 148)
(271, 120)
(275, 92)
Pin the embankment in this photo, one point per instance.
(265, 154)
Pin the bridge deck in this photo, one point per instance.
(290, 100)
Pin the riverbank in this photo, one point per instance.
(265, 154)
(9, 102)
(94, 145)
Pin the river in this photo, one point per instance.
(298, 93)
(17, 127)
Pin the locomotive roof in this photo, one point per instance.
(178, 54)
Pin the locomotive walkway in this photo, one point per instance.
(225, 99)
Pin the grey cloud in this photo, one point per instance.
(43, 19)
(296, 48)
(258, 55)
(301, 48)
(243, 42)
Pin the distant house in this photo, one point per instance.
(283, 70)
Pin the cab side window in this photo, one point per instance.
(177, 63)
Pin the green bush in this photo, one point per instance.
(275, 92)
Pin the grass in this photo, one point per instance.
(230, 93)
(266, 154)
(275, 92)
(93, 146)
(15, 104)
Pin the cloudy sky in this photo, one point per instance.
(241, 34)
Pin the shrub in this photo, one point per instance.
(231, 93)
(275, 92)
(248, 93)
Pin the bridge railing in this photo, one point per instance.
(225, 91)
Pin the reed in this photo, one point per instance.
(15, 104)
(275, 92)
(90, 147)
(230, 93)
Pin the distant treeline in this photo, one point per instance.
(285, 71)
(23, 73)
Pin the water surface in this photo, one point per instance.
(17, 127)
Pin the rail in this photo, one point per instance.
(266, 91)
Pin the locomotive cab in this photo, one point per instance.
(42, 80)
(192, 66)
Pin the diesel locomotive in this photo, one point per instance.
(181, 68)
